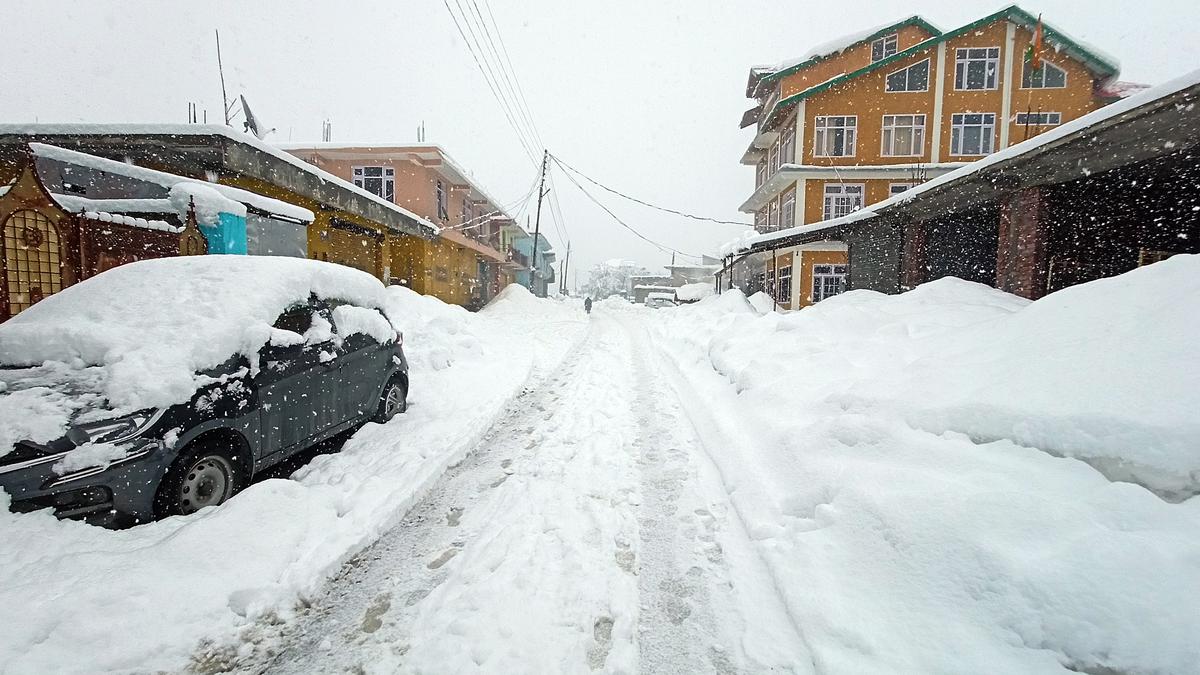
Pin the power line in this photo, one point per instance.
(597, 202)
(639, 201)
(488, 78)
(507, 74)
(468, 225)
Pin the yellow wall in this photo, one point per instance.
(849, 60)
(804, 275)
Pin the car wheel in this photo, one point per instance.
(204, 474)
(393, 400)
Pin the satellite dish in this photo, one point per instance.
(252, 123)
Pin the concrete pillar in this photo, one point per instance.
(1022, 252)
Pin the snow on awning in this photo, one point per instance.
(130, 221)
(1033, 145)
(169, 180)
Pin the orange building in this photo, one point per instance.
(465, 264)
(868, 116)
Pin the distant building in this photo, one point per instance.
(467, 265)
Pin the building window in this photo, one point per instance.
(828, 281)
(884, 47)
(466, 211)
(773, 216)
(842, 199)
(972, 133)
(976, 68)
(787, 144)
(760, 175)
(912, 78)
(441, 201)
(834, 136)
(760, 220)
(1041, 119)
(784, 285)
(378, 180)
(903, 135)
(787, 212)
(897, 188)
(1049, 76)
(773, 160)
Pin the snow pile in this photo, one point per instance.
(157, 596)
(208, 202)
(949, 467)
(694, 292)
(154, 324)
(762, 303)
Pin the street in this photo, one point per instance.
(587, 531)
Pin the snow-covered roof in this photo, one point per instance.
(215, 130)
(654, 287)
(1121, 89)
(152, 325)
(170, 181)
(1075, 126)
(832, 47)
(76, 203)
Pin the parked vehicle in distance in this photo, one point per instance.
(177, 380)
(658, 300)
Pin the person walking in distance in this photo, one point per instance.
(587, 305)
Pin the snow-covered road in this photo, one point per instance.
(588, 531)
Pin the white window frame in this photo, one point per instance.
(822, 274)
(773, 159)
(958, 127)
(962, 67)
(773, 215)
(907, 77)
(886, 42)
(1040, 119)
(904, 187)
(1046, 66)
(822, 139)
(890, 129)
(787, 144)
(783, 277)
(787, 204)
(760, 172)
(760, 220)
(387, 180)
(831, 193)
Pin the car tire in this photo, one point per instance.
(393, 400)
(206, 473)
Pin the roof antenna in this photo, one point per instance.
(221, 71)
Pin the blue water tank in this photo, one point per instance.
(228, 236)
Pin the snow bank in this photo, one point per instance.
(153, 324)
(694, 292)
(911, 468)
(188, 590)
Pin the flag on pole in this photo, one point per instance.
(1034, 54)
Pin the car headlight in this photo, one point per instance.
(114, 429)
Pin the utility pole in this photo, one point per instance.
(537, 222)
(221, 70)
(562, 286)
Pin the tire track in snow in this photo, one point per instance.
(753, 615)
(331, 629)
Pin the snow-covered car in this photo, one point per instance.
(162, 387)
(660, 300)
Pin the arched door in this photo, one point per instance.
(31, 259)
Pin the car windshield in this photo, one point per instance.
(621, 337)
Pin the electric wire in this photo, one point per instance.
(614, 191)
(622, 223)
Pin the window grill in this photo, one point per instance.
(31, 258)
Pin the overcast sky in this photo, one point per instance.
(644, 96)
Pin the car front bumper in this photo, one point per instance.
(105, 495)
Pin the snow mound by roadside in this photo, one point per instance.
(153, 324)
(911, 467)
(761, 302)
(189, 590)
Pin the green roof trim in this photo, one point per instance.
(910, 21)
(1097, 63)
